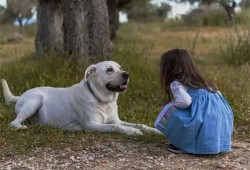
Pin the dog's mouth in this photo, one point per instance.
(117, 88)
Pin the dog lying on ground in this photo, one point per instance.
(89, 105)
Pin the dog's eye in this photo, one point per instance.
(110, 70)
(120, 68)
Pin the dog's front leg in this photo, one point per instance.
(141, 127)
(95, 126)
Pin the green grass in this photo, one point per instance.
(137, 49)
(236, 50)
(58, 72)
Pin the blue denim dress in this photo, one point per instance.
(203, 128)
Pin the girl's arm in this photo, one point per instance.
(181, 98)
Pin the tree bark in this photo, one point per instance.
(229, 10)
(20, 21)
(113, 11)
(86, 30)
(49, 37)
(113, 18)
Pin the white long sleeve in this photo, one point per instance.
(181, 98)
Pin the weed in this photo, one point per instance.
(236, 50)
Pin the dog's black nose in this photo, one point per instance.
(125, 75)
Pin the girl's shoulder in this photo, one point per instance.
(190, 87)
(176, 85)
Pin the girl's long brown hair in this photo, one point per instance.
(178, 64)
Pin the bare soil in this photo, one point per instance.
(118, 154)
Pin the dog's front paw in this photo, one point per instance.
(150, 130)
(18, 126)
(133, 131)
(137, 132)
(154, 130)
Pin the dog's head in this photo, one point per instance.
(107, 76)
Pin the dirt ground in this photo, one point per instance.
(117, 154)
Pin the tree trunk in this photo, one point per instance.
(49, 37)
(86, 30)
(229, 8)
(20, 21)
(113, 18)
(113, 11)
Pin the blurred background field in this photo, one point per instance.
(222, 52)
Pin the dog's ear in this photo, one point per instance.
(90, 70)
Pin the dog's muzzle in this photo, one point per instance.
(119, 88)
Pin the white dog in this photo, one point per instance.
(89, 105)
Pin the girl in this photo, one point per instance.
(199, 120)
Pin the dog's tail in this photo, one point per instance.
(8, 96)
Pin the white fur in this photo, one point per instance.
(75, 107)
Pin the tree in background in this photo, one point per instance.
(19, 10)
(245, 4)
(142, 10)
(49, 35)
(162, 10)
(114, 6)
(228, 5)
(82, 29)
(86, 30)
(79, 27)
(2, 9)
